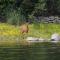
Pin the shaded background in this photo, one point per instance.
(17, 11)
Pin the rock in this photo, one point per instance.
(55, 37)
(32, 39)
(41, 40)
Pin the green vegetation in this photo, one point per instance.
(44, 30)
(17, 11)
(13, 44)
(10, 35)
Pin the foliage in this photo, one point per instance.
(40, 7)
(9, 30)
(10, 35)
(53, 7)
(14, 11)
(41, 31)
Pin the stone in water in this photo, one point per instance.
(55, 37)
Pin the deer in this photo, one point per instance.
(24, 28)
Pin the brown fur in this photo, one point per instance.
(24, 28)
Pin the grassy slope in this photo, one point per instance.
(10, 35)
(44, 30)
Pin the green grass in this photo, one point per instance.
(10, 35)
(44, 30)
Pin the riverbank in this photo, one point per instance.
(10, 34)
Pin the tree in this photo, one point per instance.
(39, 8)
(58, 7)
(53, 7)
(19, 9)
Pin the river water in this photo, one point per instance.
(38, 51)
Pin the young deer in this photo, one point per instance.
(24, 28)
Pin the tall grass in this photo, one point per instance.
(10, 35)
(44, 30)
(15, 17)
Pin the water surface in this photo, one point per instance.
(43, 51)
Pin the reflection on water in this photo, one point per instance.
(47, 51)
